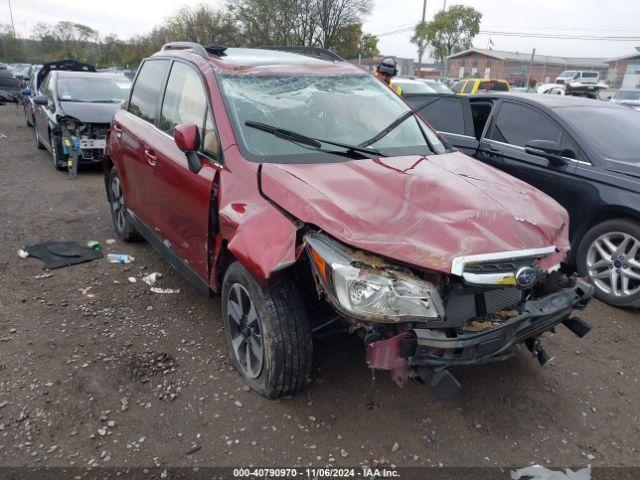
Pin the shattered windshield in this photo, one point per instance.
(93, 89)
(345, 108)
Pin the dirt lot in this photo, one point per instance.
(97, 370)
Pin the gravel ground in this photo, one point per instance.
(97, 370)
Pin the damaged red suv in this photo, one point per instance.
(312, 199)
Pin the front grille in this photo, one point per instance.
(463, 305)
(504, 266)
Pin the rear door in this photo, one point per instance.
(450, 115)
(182, 198)
(512, 127)
(134, 136)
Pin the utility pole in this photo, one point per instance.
(421, 46)
(13, 27)
(533, 54)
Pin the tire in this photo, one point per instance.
(122, 223)
(28, 119)
(38, 142)
(57, 156)
(280, 325)
(609, 254)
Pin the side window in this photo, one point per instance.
(444, 114)
(457, 88)
(148, 89)
(49, 89)
(468, 87)
(184, 99)
(517, 125)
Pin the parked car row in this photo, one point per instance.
(70, 99)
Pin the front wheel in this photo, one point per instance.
(57, 155)
(609, 254)
(268, 333)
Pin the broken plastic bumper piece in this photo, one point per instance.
(534, 317)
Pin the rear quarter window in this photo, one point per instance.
(147, 90)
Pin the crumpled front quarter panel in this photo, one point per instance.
(258, 235)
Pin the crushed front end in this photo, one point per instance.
(417, 323)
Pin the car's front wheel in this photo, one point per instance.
(609, 254)
(122, 222)
(268, 333)
(57, 155)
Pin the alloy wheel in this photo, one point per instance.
(613, 264)
(244, 329)
(117, 204)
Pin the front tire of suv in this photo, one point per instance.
(122, 222)
(268, 333)
(609, 254)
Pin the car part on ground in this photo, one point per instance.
(359, 219)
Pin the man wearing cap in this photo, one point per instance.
(386, 70)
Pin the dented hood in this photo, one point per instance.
(86, 112)
(424, 211)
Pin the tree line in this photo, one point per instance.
(332, 24)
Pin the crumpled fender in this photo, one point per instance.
(257, 233)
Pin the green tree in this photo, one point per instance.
(449, 32)
(351, 42)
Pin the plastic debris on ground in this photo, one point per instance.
(132, 279)
(537, 472)
(94, 245)
(165, 290)
(152, 278)
(121, 258)
(22, 254)
(43, 275)
(110, 241)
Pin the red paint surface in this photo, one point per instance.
(386, 355)
(186, 137)
(423, 211)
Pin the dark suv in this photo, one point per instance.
(313, 200)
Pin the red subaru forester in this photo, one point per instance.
(312, 199)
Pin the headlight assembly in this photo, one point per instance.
(366, 288)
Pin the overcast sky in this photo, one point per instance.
(599, 18)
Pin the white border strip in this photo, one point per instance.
(458, 263)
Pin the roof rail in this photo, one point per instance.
(319, 52)
(196, 47)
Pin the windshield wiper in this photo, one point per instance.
(393, 125)
(306, 140)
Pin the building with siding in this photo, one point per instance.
(624, 72)
(481, 63)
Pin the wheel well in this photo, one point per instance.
(107, 165)
(617, 213)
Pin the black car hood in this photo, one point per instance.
(86, 112)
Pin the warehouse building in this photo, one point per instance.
(481, 63)
(624, 72)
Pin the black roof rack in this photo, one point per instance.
(203, 51)
(319, 52)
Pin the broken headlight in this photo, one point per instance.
(365, 287)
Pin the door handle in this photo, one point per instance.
(150, 155)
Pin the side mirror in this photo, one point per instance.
(26, 92)
(552, 151)
(187, 138)
(41, 100)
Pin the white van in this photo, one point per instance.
(581, 76)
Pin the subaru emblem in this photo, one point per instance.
(526, 277)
